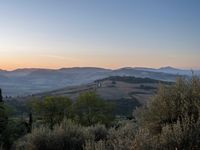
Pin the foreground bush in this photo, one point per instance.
(98, 132)
(65, 136)
(172, 119)
(120, 137)
(70, 136)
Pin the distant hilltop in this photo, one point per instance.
(33, 80)
(167, 69)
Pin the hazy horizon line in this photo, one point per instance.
(115, 68)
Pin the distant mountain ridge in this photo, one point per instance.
(171, 70)
(34, 80)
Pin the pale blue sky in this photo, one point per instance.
(102, 33)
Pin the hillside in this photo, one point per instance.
(126, 93)
(22, 82)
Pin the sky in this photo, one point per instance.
(99, 33)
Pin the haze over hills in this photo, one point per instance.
(126, 93)
(22, 82)
(171, 70)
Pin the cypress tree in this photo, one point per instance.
(1, 97)
(3, 116)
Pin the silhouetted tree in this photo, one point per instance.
(1, 97)
(3, 119)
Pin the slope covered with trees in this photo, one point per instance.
(171, 120)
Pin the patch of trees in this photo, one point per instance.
(130, 79)
(147, 87)
(125, 106)
(88, 109)
(52, 110)
(10, 128)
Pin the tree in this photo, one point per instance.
(53, 109)
(90, 109)
(10, 129)
(1, 97)
(3, 118)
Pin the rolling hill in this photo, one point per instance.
(126, 93)
(23, 82)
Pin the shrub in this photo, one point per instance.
(122, 136)
(99, 132)
(65, 136)
(172, 119)
(118, 138)
(99, 145)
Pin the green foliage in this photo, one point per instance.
(99, 132)
(99, 145)
(130, 79)
(120, 137)
(14, 130)
(172, 119)
(10, 129)
(3, 117)
(5, 137)
(90, 109)
(1, 97)
(52, 110)
(3, 122)
(67, 135)
(125, 106)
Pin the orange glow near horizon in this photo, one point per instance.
(55, 62)
(106, 34)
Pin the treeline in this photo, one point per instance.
(89, 109)
(131, 79)
(171, 120)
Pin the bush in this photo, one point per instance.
(172, 119)
(178, 135)
(99, 132)
(119, 138)
(91, 145)
(122, 136)
(65, 136)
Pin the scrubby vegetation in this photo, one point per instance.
(171, 120)
(67, 135)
